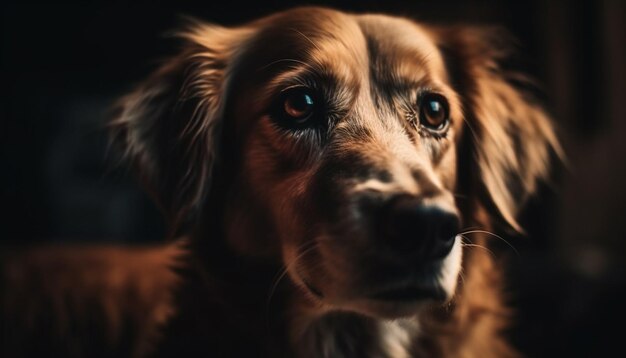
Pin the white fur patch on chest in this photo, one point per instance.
(352, 336)
(396, 337)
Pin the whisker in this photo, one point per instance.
(306, 248)
(477, 246)
(307, 66)
(492, 234)
(471, 129)
(308, 39)
(469, 228)
(459, 196)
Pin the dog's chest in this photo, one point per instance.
(350, 336)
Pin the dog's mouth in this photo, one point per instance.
(381, 288)
(407, 284)
(391, 299)
(410, 293)
(402, 293)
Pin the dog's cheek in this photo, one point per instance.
(269, 203)
(245, 219)
(251, 201)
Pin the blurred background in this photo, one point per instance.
(63, 64)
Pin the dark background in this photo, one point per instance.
(64, 64)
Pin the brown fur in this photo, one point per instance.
(280, 249)
(87, 300)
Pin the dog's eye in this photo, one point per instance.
(434, 112)
(298, 105)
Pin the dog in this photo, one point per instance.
(327, 179)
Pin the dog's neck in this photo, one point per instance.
(340, 334)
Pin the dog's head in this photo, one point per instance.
(342, 145)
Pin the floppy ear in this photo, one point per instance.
(169, 127)
(509, 135)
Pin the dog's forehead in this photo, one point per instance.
(345, 44)
(325, 40)
(401, 49)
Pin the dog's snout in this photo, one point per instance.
(413, 227)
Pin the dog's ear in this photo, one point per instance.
(509, 136)
(168, 127)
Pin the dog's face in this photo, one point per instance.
(348, 140)
(338, 137)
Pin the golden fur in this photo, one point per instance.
(280, 251)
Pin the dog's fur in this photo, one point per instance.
(278, 254)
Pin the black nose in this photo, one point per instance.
(412, 227)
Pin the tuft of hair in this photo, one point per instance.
(168, 127)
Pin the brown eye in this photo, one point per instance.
(298, 105)
(434, 112)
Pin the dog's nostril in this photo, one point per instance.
(411, 226)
